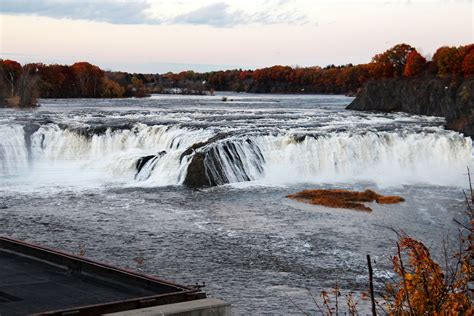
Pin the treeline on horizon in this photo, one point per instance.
(22, 85)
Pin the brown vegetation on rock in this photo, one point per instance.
(344, 198)
(390, 199)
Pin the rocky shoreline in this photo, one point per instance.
(450, 97)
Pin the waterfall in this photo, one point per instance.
(382, 157)
(13, 150)
(164, 155)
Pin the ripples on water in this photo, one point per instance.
(251, 245)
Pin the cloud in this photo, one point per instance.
(115, 12)
(221, 14)
(218, 14)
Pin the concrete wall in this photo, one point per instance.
(204, 307)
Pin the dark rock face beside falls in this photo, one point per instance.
(141, 162)
(97, 128)
(29, 130)
(145, 160)
(197, 174)
(218, 162)
(451, 98)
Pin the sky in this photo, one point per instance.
(153, 36)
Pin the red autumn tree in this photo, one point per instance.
(89, 78)
(10, 71)
(468, 64)
(392, 62)
(53, 78)
(415, 64)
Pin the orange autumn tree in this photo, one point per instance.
(89, 78)
(423, 288)
(447, 60)
(111, 89)
(415, 64)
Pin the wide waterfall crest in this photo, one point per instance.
(382, 157)
(200, 157)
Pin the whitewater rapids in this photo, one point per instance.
(418, 150)
(112, 177)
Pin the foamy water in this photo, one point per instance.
(73, 184)
(267, 140)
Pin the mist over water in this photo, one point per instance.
(69, 178)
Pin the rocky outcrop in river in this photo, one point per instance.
(337, 198)
(451, 98)
(219, 161)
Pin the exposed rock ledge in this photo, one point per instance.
(344, 198)
(206, 167)
(451, 98)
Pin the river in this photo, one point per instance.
(69, 180)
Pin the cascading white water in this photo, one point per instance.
(13, 150)
(58, 155)
(235, 160)
(383, 157)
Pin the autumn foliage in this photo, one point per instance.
(447, 60)
(89, 79)
(415, 64)
(10, 72)
(424, 288)
(18, 84)
(401, 60)
(84, 80)
(392, 62)
(468, 63)
(21, 85)
(454, 60)
(111, 89)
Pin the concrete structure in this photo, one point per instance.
(42, 281)
(204, 307)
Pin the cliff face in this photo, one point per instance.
(446, 97)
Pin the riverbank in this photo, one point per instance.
(448, 97)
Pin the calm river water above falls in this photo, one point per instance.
(68, 180)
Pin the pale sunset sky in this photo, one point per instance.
(153, 36)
